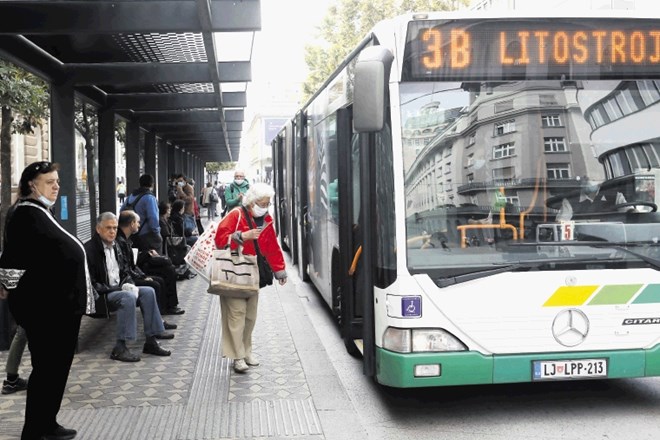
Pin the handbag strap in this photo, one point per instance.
(252, 226)
(235, 229)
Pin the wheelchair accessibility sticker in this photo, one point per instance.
(411, 306)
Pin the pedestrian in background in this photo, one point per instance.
(211, 200)
(247, 226)
(121, 192)
(43, 272)
(235, 190)
(14, 382)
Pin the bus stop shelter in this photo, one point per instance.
(161, 65)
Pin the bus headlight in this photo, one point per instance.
(397, 339)
(405, 340)
(435, 340)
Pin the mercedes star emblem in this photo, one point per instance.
(570, 327)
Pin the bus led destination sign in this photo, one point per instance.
(532, 49)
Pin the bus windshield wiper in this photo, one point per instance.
(527, 265)
(615, 245)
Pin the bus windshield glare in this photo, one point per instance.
(537, 146)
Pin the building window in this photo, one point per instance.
(548, 100)
(470, 177)
(470, 161)
(559, 171)
(504, 150)
(551, 121)
(503, 106)
(504, 173)
(448, 184)
(472, 139)
(554, 145)
(505, 127)
(448, 168)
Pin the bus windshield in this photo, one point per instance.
(503, 172)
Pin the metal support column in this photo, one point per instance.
(150, 156)
(163, 169)
(63, 142)
(107, 168)
(132, 156)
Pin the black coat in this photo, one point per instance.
(53, 260)
(125, 245)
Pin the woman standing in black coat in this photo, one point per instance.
(43, 272)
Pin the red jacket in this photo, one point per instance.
(268, 244)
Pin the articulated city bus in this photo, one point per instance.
(474, 198)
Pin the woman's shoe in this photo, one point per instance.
(240, 366)
(251, 360)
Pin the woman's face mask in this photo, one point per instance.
(258, 211)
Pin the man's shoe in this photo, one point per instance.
(169, 326)
(174, 311)
(11, 387)
(164, 335)
(60, 433)
(124, 355)
(240, 366)
(155, 349)
(251, 360)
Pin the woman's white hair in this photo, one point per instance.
(256, 192)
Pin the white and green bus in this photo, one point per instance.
(474, 198)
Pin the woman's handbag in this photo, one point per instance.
(174, 241)
(234, 274)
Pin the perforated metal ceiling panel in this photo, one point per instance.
(151, 60)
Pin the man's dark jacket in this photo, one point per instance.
(125, 246)
(98, 271)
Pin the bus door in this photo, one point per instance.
(300, 206)
(349, 267)
(278, 181)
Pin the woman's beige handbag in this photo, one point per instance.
(234, 274)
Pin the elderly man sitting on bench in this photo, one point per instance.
(108, 272)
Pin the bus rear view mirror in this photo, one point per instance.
(372, 72)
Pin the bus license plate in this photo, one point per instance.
(569, 369)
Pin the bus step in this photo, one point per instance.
(360, 346)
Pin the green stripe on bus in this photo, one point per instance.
(615, 294)
(469, 368)
(650, 294)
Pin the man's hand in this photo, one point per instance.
(153, 252)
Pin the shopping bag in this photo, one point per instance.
(200, 255)
(234, 274)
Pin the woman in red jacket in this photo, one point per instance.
(246, 225)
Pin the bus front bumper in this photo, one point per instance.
(470, 368)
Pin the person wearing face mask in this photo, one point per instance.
(235, 190)
(250, 226)
(44, 275)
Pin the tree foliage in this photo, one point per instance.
(24, 104)
(346, 24)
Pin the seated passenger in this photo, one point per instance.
(174, 244)
(591, 200)
(111, 281)
(162, 278)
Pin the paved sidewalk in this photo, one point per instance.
(194, 394)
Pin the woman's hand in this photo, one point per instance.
(252, 234)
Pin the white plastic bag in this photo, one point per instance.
(200, 255)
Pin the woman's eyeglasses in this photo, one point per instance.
(263, 205)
